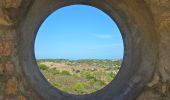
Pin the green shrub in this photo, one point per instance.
(83, 81)
(79, 87)
(54, 71)
(109, 78)
(100, 83)
(57, 85)
(88, 75)
(64, 72)
(43, 67)
(112, 74)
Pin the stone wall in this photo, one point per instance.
(13, 84)
(159, 87)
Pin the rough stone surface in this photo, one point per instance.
(4, 19)
(5, 48)
(1, 69)
(15, 86)
(10, 68)
(21, 97)
(10, 3)
(11, 87)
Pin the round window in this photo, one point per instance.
(79, 49)
(138, 61)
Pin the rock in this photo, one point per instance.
(4, 19)
(11, 86)
(10, 3)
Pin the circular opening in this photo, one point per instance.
(79, 49)
(138, 62)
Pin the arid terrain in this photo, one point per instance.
(79, 76)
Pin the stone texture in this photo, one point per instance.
(10, 76)
(4, 19)
(21, 97)
(2, 86)
(150, 95)
(164, 21)
(10, 3)
(11, 86)
(160, 84)
(1, 69)
(10, 68)
(5, 48)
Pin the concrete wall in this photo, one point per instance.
(14, 84)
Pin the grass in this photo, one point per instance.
(79, 76)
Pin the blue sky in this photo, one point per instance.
(78, 32)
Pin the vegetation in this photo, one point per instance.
(79, 87)
(79, 76)
(43, 67)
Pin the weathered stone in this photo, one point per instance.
(157, 11)
(10, 68)
(2, 86)
(10, 3)
(1, 97)
(10, 98)
(154, 81)
(165, 3)
(1, 69)
(150, 95)
(152, 2)
(158, 2)
(165, 88)
(164, 62)
(21, 98)
(11, 86)
(4, 19)
(165, 22)
(8, 34)
(5, 48)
